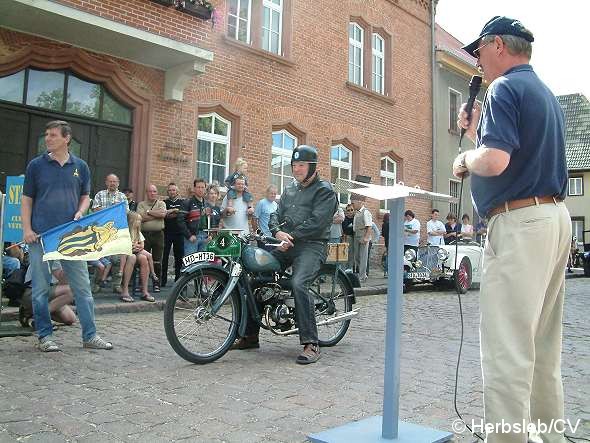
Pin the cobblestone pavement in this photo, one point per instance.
(141, 391)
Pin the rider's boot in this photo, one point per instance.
(249, 342)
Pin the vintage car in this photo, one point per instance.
(436, 264)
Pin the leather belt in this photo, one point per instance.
(523, 203)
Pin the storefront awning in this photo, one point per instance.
(65, 24)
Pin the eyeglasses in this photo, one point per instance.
(476, 51)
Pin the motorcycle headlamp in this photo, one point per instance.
(442, 254)
(410, 255)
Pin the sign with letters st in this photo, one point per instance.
(13, 228)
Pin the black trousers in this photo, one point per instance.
(175, 240)
(306, 258)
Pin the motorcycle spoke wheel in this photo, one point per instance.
(331, 293)
(196, 333)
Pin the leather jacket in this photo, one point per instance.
(305, 212)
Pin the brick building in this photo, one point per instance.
(157, 94)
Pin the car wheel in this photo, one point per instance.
(462, 277)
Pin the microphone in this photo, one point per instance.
(474, 86)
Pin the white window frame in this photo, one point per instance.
(277, 8)
(342, 165)
(453, 118)
(285, 154)
(575, 186)
(454, 192)
(578, 230)
(239, 20)
(384, 174)
(214, 138)
(356, 45)
(378, 56)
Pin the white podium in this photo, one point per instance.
(388, 427)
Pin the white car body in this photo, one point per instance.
(432, 265)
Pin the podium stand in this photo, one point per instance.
(388, 427)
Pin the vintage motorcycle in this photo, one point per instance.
(233, 280)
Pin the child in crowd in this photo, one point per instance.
(144, 258)
(240, 170)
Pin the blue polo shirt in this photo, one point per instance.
(522, 117)
(55, 190)
(262, 212)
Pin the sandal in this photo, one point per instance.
(310, 354)
(155, 282)
(148, 298)
(127, 298)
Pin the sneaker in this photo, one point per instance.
(48, 345)
(102, 283)
(97, 343)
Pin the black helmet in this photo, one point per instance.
(307, 154)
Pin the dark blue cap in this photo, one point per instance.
(500, 25)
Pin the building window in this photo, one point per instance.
(272, 13)
(341, 167)
(238, 19)
(454, 192)
(388, 174)
(283, 144)
(455, 100)
(575, 186)
(63, 91)
(212, 150)
(578, 229)
(355, 53)
(378, 75)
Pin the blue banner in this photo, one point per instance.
(13, 228)
(97, 235)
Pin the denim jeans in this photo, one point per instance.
(306, 258)
(77, 274)
(198, 246)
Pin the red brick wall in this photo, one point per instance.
(309, 91)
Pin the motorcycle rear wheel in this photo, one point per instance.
(335, 300)
(192, 330)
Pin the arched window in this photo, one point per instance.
(341, 167)
(212, 150)
(283, 143)
(355, 53)
(388, 174)
(63, 92)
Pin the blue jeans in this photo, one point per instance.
(198, 246)
(77, 274)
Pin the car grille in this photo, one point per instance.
(428, 256)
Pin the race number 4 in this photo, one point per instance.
(197, 257)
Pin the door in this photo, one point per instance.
(14, 127)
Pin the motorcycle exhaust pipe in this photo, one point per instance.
(329, 321)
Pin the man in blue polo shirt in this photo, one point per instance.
(264, 208)
(56, 189)
(519, 180)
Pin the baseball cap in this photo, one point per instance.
(500, 25)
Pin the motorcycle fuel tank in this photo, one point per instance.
(258, 260)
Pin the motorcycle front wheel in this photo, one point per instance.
(332, 295)
(196, 333)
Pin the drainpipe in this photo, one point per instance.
(433, 6)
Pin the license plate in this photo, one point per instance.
(417, 275)
(197, 257)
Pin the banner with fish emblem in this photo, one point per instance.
(97, 235)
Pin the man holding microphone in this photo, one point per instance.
(518, 181)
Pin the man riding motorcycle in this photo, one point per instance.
(302, 222)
